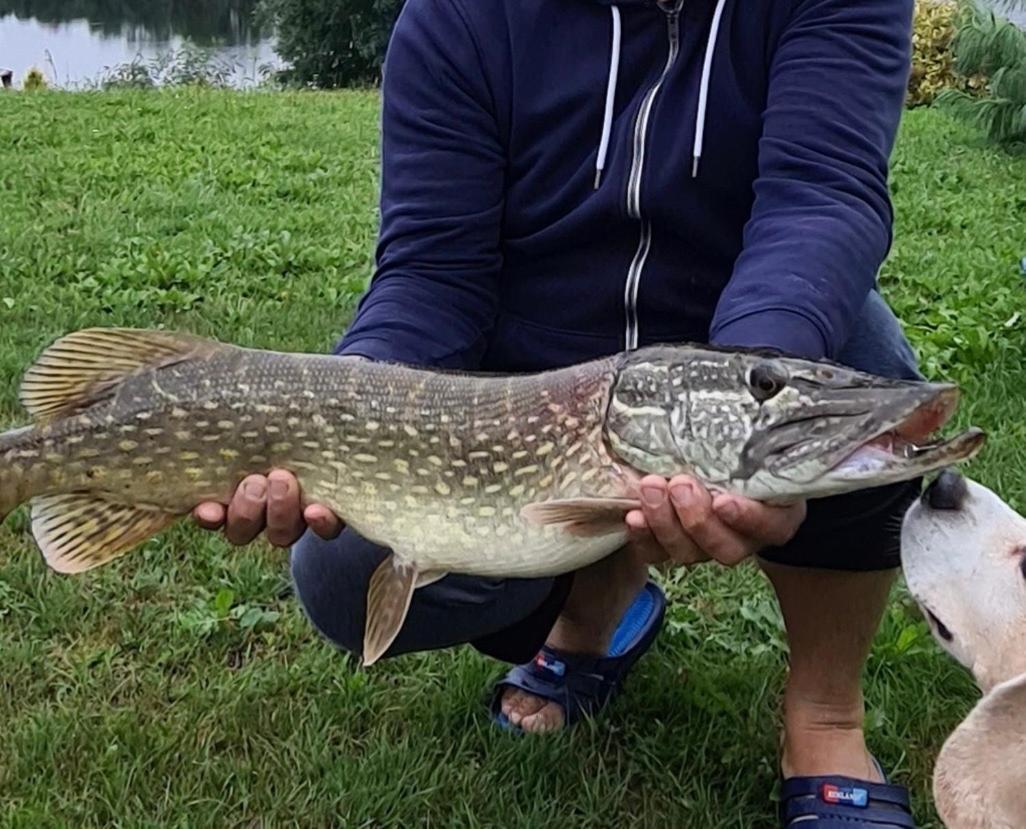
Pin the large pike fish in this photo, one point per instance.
(525, 475)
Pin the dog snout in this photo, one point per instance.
(948, 491)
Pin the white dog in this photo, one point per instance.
(964, 557)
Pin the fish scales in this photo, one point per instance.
(516, 476)
(430, 464)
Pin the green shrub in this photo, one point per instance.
(331, 43)
(933, 60)
(994, 48)
(188, 66)
(34, 80)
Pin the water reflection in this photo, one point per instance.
(74, 41)
(205, 22)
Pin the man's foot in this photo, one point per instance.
(563, 684)
(600, 596)
(817, 751)
(829, 776)
(535, 714)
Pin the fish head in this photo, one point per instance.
(770, 426)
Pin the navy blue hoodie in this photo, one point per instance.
(562, 179)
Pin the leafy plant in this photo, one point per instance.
(331, 43)
(222, 611)
(188, 66)
(933, 63)
(990, 45)
(34, 80)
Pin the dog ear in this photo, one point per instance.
(979, 777)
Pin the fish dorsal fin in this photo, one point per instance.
(80, 368)
(582, 516)
(78, 532)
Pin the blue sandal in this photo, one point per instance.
(583, 685)
(836, 802)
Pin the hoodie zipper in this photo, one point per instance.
(672, 12)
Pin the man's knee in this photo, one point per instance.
(878, 343)
(331, 579)
(854, 532)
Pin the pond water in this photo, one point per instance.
(74, 41)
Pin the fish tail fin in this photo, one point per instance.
(83, 368)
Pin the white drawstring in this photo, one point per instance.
(607, 120)
(703, 91)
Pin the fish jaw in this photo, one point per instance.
(901, 449)
(871, 465)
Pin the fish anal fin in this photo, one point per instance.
(81, 368)
(582, 516)
(77, 532)
(388, 601)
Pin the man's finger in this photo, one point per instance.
(323, 521)
(694, 509)
(772, 525)
(642, 544)
(246, 511)
(646, 550)
(210, 515)
(284, 513)
(663, 523)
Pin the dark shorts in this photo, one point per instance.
(510, 618)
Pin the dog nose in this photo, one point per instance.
(946, 492)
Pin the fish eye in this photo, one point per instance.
(766, 380)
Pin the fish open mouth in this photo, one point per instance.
(913, 440)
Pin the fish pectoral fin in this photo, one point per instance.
(388, 601)
(582, 516)
(81, 368)
(78, 532)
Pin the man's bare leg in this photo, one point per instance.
(831, 619)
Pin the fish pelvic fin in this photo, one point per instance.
(82, 368)
(388, 601)
(584, 517)
(77, 532)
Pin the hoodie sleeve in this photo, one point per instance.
(434, 292)
(821, 222)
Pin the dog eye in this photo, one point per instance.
(942, 629)
(1022, 563)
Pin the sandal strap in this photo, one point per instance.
(838, 802)
(583, 684)
(579, 684)
(838, 789)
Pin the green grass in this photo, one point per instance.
(182, 687)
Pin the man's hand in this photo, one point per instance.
(682, 522)
(270, 505)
